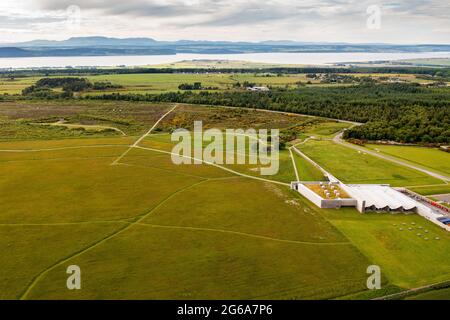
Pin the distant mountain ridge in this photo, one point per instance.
(106, 46)
(88, 41)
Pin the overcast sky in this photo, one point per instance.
(402, 21)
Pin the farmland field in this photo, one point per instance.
(430, 158)
(352, 166)
(144, 228)
(432, 190)
(155, 83)
(387, 239)
(205, 159)
(307, 171)
(158, 83)
(139, 220)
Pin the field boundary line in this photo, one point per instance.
(61, 223)
(293, 163)
(410, 292)
(428, 185)
(244, 234)
(215, 165)
(72, 125)
(161, 169)
(136, 143)
(439, 194)
(127, 226)
(327, 284)
(63, 148)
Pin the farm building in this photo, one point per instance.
(370, 198)
(366, 197)
(259, 89)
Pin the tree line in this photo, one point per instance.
(43, 87)
(435, 72)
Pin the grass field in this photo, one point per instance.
(159, 83)
(326, 130)
(15, 86)
(148, 229)
(139, 248)
(350, 166)
(306, 170)
(154, 83)
(430, 158)
(285, 174)
(407, 259)
(20, 120)
(432, 190)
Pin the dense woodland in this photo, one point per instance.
(398, 112)
(43, 87)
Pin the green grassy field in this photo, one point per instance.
(158, 83)
(285, 173)
(15, 86)
(431, 190)
(148, 229)
(326, 130)
(140, 249)
(135, 243)
(307, 171)
(353, 167)
(154, 83)
(408, 260)
(430, 158)
(22, 120)
(164, 82)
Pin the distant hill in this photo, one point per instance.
(89, 42)
(11, 52)
(7, 52)
(104, 46)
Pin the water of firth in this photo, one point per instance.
(302, 58)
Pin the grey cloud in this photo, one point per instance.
(222, 12)
(21, 22)
(339, 17)
(150, 8)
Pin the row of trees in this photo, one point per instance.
(195, 86)
(43, 87)
(443, 73)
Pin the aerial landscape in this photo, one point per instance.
(222, 168)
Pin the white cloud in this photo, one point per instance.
(403, 21)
